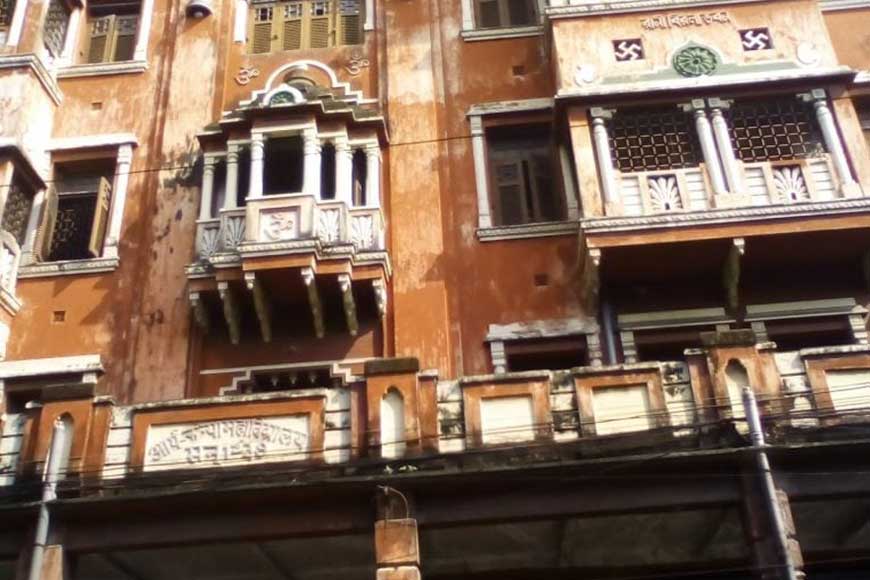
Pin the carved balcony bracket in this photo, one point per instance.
(731, 272)
(261, 305)
(314, 301)
(347, 301)
(200, 314)
(231, 311)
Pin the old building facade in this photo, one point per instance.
(308, 289)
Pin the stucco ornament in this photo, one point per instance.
(808, 54)
(356, 63)
(246, 74)
(585, 74)
(695, 61)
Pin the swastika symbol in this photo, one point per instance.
(756, 39)
(628, 49)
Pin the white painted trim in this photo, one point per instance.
(515, 106)
(467, 15)
(92, 141)
(527, 231)
(501, 33)
(34, 63)
(140, 52)
(673, 318)
(577, 8)
(102, 68)
(17, 24)
(240, 21)
(123, 162)
(68, 268)
(481, 177)
(803, 309)
(64, 365)
(370, 16)
(72, 35)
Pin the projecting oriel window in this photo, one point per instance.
(294, 25)
(56, 26)
(653, 139)
(522, 187)
(112, 31)
(504, 13)
(773, 130)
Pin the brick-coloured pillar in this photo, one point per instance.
(397, 545)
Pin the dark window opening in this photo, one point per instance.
(283, 166)
(7, 8)
(219, 187)
(360, 172)
(77, 210)
(327, 171)
(244, 182)
(505, 13)
(798, 333)
(289, 380)
(667, 344)
(521, 175)
(546, 354)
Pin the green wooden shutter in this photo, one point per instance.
(101, 218)
(510, 189)
(320, 24)
(292, 28)
(260, 33)
(350, 22)
(45, 230)
(125, 37)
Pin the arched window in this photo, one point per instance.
(392, 424)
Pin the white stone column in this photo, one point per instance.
(205, 199)
(72, 35)
(481, 179)
(258, 155)
(17, 23)
(343, 171)
(240, 22)
(467, 15)
(832, 139)
(373, 175)
(723, 143)
(119, 200)
(708, 147)
(311, 150)
(602, 154)
(231, 191)
(7, 174)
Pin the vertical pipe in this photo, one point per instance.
(756, 436)
(607, 327)
(57, 455)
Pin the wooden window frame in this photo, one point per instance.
(527, 160)
(116, 18)
(311, 16)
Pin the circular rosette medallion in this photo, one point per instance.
(695, 61)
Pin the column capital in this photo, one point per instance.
(696, 105)
(476, 122)
(601, 114)
(717, 104)
(125, 154)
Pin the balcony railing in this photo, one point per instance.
(689, 189)
(277, 219)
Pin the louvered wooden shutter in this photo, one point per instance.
(125, 37)
(488, 14)
(100, 38)
(260, 33)
(509, 186)
(350, 22)
(292, 30)
(45, 230)
(547, 204)
(320, 24)
(101, 218)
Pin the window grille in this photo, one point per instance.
(774, 130)
(7, 7)
(56, 24)
(17, 212)
(72, 228)
(653, 140)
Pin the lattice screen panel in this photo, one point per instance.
(17, 212)
(652, 140)
(774, 130)
(72, 230)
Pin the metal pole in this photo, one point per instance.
(56, 455)
(756, 436)
(609, 332)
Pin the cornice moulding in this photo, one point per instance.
(102, 68)
(579, 9)
(527, 231)
(686, 219)
(35, 64)
(34, 367)
(92, 141)
(69, 268)
(501, 33)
